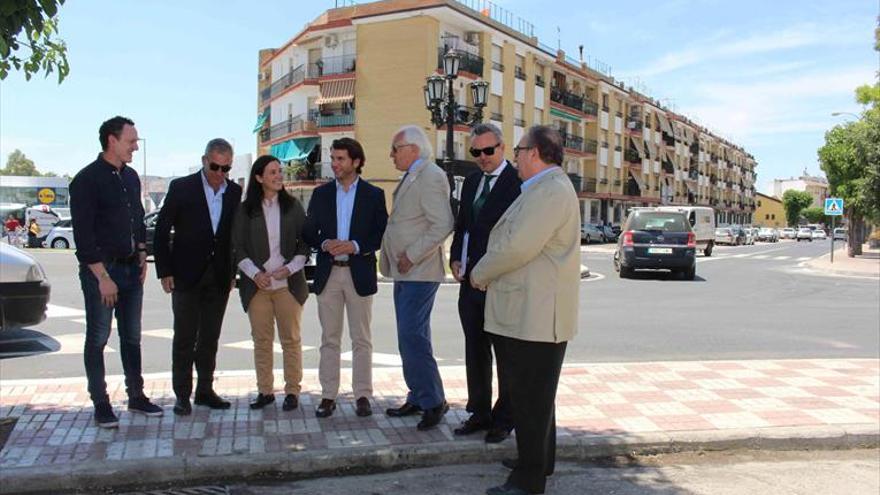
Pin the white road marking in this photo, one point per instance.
(780, 258)
(83, 321)
(162, 333)
(56, 311)
(380, 358)
(761, 257)
(249, 345)
(804, 258)
(72, 343)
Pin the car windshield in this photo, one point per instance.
(665, 222)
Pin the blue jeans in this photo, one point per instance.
(413, 302)
(128, 322)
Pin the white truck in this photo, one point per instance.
(702, 220)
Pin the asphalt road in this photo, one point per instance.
(749, 302)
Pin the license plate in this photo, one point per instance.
(659, 250)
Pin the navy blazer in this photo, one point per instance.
(186, 257)
(503, 193)
(368, 220)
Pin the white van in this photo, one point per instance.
(702, 220)
(46, 218)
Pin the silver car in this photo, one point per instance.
(24, 289)
(591, 233)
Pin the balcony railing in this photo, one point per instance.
(667, 168)
(265, 94)
(469, 62)
(294, 77)
(340, 64)
(498, 66)
(565, 98)
(519, 122)
(573, 142)
(497, 116)
(539, 81)
(591, 145)
(519, 73)
(336, 120)
(668, 140)
(588, 184)
(632, 156)
(291, 125)
(591, 108)
(634, 125)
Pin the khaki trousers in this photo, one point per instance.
(267, 308)
(339, 294)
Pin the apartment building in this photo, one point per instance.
(359, 71)
(816, 186)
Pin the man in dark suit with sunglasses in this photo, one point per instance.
(196, 268)
(485, 197)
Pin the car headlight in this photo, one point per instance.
(35, 273)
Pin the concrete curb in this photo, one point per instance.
(305, 464)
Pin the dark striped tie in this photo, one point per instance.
(484, 195)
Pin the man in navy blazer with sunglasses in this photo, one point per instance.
(196, 268)
(484, 198)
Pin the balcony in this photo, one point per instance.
(588, 185)
(634, 126)
(336, 119)
(603, 181)
(667, 168)
(591, 108)
(265, 94)
(572, 142)
(292, 78)
(341, 64)
(567, 99)
(469, 62)
(632, 156)
(668, 140)
(300, 123)
(519, 73)
(591, 146)
(576, 181)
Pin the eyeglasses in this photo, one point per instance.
(517, 149)
(215, 167)
(396, 147)
(488, 151)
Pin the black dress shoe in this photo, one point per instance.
(431, 417)
(509, 463)
(212, 400)
(326, 408)
(497, 435)
(290, 403)
(363, 408)
(182, 407)
(262, 401)
(471, 425)
(506, 489)
(406, 409)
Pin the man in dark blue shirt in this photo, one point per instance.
(108, 227)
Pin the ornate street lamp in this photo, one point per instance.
(445, 111)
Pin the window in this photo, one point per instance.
(605, 101)
(759, 203)
(496, 58)
(767, 217)
(773, 216)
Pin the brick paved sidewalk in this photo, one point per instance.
(55, 426)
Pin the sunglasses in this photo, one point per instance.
(517, 149)
(214, 167)
(488, 151)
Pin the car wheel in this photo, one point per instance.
(708, 251)
(60, 243)
(625, 272)
(690, 273)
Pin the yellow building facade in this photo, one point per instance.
(769, 212)
(359, 71)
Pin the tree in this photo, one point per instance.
(814, 214)
(794, 203)
(19, 164)
(31, 24)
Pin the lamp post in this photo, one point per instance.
(144, 181)
(440, 101)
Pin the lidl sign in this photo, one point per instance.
(834, 206)
(46, 196)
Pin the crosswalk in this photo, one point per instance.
(759, 255)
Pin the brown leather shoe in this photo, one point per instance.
(363, 408)
(326, 408)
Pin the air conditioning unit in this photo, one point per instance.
(472, 38)
(331, 40)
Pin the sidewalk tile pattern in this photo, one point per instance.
(55, 424)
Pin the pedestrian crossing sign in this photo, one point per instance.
(834, 206)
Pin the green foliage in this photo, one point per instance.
(19, 164)
(794, 203)
(31, 24)
(814, 214)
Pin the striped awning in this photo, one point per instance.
(336, 91)
(664, 124)
(638, 178)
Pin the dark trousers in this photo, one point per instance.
(531, 371)
(478, 362)
(129, 303)
(413, 302)
(198, 316)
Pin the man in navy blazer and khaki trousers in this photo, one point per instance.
(485, 197)
(345, 222)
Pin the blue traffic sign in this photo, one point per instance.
(834, 206)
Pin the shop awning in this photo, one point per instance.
(261, 119)
(564, 115)
(638, 178)
(293, 149)
(336, 91)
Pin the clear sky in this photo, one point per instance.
(765, 74)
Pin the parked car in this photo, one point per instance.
(591, 233)
(656, 240)
(840, 234)
(610, 234)
(725, 235)
(60, 236)
(751, 235)
(24, 289)
(804, 234)
(702, 220)
(788, 233)
(819, 234)
(766, 234)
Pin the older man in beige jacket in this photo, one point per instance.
(412, 254)
(532, 273)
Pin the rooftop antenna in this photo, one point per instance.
(581, 49)
(558, 38)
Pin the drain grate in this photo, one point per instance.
(193, 490)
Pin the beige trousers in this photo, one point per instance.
(339, 295)
(267, 308)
